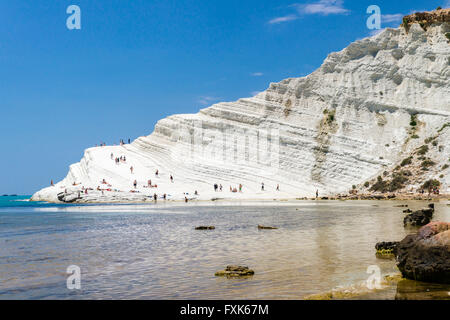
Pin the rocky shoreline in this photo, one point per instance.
(125, 198)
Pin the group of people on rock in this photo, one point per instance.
(118, 160)
(149, 182)
(218, 187)
(431, 191)
(122, 142)
(262, 187)
(155, 197)
(150, 185)
(103, 144)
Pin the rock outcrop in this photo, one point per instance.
(365, 110)
(235, 272)
(205, 228)
(260, 227)
(386, 248)
(426, 19)
(425, 256)
(418, 218)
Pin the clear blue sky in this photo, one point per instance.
(135, 62)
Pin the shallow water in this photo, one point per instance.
(153, 252)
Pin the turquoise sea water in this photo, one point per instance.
(153, 252)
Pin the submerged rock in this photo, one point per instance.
(235, 271)
(205, 228)
(266, 228)
(414, 290)
(407, 211)
(425, 256)
(418, 218)
(386, 248)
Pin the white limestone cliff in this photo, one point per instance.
(342, 125)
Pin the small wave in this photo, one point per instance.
(356, 289)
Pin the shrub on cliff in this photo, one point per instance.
(398, 182)
(406, 161)
(431, 184)
(413, 121)
(427, 163)
(423, 150)
(379, 186)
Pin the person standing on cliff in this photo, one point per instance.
(51, 183)
(317, 193)
(262, 186)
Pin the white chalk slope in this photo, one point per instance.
(372, 87)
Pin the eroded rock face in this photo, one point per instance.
(425, 256)
(426, 19)
(340, 126)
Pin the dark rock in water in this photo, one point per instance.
(67, 197)
(384, 248)
(401, 206)
(205, 228)
(431, 206)
(425, 256)
(235, 271)
(407, 211)
(415, 290)
(418, 218)
(266, 228)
